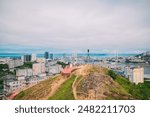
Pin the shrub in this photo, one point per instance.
(112, 74)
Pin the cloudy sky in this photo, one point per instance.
(74, 25)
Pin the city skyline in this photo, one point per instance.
(66, 26)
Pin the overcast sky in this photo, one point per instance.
(68, 25)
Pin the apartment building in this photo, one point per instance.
(38, 68)
(137, 75)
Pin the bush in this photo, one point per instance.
(62, 64)
(112, 74)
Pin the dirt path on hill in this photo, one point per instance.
(74, 89)
(54, 86)
(82, 71)
(74, 86)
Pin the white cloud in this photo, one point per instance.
(106, 24)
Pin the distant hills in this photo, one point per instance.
(145, 56)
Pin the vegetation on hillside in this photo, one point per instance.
(112, 74)
(4, 70)
(62, 64)
(96, 83)
(36, 92)
(101, 87)
(140, 91)
(101, 83)
(65, 91)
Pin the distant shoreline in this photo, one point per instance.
(57, 55)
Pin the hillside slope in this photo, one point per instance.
(88, 82)
(42, 90)
(96, 84)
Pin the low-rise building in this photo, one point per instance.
(4, 60)
(127, 72)
(15, 63)
(35, 80)
(24, 72)
(38, 68)
(11, 84)
(55, 69)
(40, 60)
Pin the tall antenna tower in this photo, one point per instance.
(116, 61)
(75, 57)
(88, 56)
(117, 56)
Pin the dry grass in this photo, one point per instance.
(39, 91)
(96, 84)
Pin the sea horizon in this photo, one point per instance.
(57, 55)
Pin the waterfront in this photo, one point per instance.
(58, 55)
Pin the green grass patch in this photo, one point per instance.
(140, 91)
(112, 74)
(65, 91)
(119, 90)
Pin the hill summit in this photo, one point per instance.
(87, 82)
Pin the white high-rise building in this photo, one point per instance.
(33, 57)
(137, 75)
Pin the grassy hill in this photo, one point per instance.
(65, 91)
(97, 84)
(88, 82)
(140, 91)
(100, 83)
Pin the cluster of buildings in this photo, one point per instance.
(49, 56)
(135, 72)
(147, 53)
(48, 66)
(29, 58)
(25, 77)
(13, 63)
